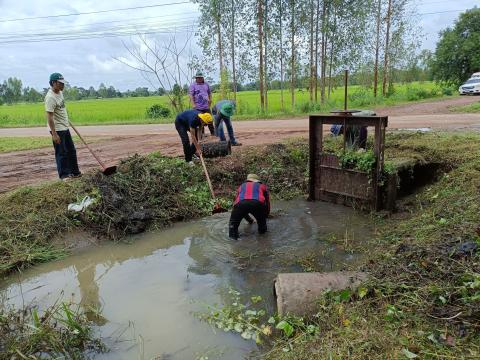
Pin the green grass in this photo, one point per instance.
(423, 296)
(472, 108)
(132, 110)
(61, 331)
(9, 144)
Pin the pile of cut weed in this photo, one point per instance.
(31, 218)
(423, 297)
(145, 190)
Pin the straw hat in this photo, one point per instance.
(253, 177)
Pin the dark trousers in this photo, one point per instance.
(242, 210)
(66, 155)
(210, 126)
(188, 148)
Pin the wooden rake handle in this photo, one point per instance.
(197, 146)
(88, 147)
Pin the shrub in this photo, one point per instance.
(415, 93)
(361, 97)
(306, 107)
(447, 91)
(158, 111)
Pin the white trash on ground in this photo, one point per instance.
(82, 205)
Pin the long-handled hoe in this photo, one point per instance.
(106, 170)
(217, 208)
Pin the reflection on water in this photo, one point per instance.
(145, 288)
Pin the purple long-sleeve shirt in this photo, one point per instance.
(200, 93)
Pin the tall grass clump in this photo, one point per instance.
(62, 331)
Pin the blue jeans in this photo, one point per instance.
(66, 155)
(219, 120)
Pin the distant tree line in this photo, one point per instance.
(12, 91)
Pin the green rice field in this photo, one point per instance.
(133, 110)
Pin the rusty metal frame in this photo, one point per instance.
(321, 165)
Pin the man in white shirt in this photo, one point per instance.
(57, 118)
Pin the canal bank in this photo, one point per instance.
(420, 284)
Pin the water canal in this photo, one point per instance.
(149, 287)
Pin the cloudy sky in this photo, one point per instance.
(88, 58)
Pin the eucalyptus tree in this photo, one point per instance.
(401, 39)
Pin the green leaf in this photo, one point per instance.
(362, 292)
(285, 327)
(432, 338)
(246, 335)
(345, 295)
(238, 328)
(256, 299)
(409, 354)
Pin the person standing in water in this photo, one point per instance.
(252, 198)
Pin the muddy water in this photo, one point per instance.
(148, 288)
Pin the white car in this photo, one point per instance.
(471, 87)
(475, 76)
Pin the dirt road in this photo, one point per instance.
(33, 166)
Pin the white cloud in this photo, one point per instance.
(88, 62)
(106, 65)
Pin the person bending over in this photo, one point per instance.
(190, 121)
(222, 112)
(252, 198)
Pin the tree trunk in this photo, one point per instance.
(282, 101)
(312, 64)
(219, 41)
(316, 50)
(234, 74)
(377, 49)
(265, 32)
(292, 31)
(387, 39)
(324, 39)
(260, 50)
(332, 46)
